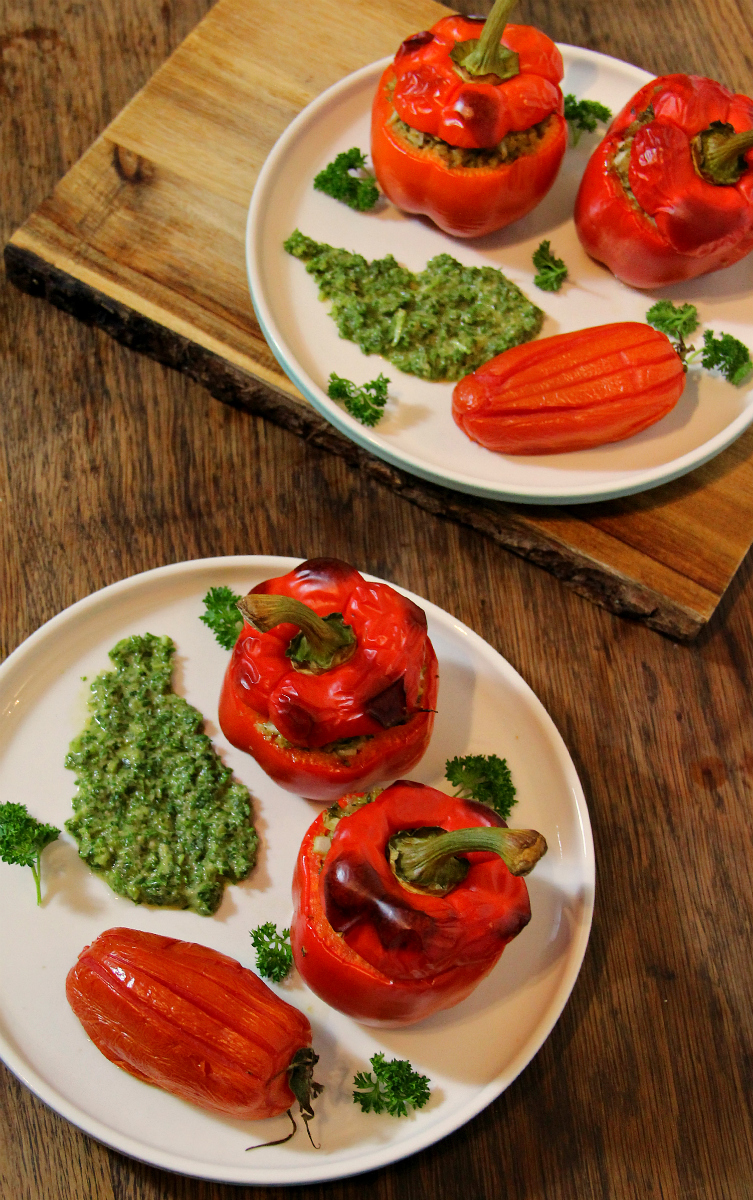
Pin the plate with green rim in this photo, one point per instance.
(417, 432)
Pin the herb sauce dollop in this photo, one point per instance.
(440, 324)
(156, 812)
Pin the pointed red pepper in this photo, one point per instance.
(668, 194)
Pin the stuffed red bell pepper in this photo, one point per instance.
(390, 924)
(333, 681)
(193, 1022)
(467, 123)
(668, 195)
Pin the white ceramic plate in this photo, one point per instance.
(417, 432)
(471, 1052)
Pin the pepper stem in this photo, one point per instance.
(486, 55)
(718, 152)
(425, 859)
(323, 642)
(302, 1084)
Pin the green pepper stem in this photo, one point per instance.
(36, 870)
(323, 643)
(485, 55)
(720, 151)
(420, 858)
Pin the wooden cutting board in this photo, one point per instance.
(144, 237)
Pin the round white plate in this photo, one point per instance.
(417, 431)
(471, 1052)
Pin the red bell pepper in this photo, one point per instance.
(390, 926)
(467, 123)
(193, 1022)
(571, 391)
(668, 194)
(332, 683)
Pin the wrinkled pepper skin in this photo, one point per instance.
(679, 225)
(402, 956)
(394, 657)
(572, 391)
(188, 1020)
(422, 87)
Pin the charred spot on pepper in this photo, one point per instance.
(353, 892)
(390, 707)
(414, 43)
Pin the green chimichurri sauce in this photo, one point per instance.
(156, 813)
(440, 324)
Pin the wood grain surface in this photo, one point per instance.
(112, 464)
(144, 238)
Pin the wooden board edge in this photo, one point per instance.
(505, 525)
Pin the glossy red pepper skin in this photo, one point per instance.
(572, 391)
(422, 87)
(433, 951)
(680, 225)
(394, 655)
(188, 1020)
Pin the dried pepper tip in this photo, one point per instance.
(423, 860)
(303, 1085)
(486, 55)
(323, 642)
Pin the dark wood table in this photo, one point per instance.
(111, 464)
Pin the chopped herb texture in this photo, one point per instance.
(439, 324)
(552, 271)
(726, 354)
(391, 1087)
(274, 958)
(357, 191)
(677, 321)
(23, 838)
(483, 777)
(584, 115)
(222, 615)
(365, 403)
(156, 813)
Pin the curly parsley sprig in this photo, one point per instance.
(584, 115)
(274, 958)
(222, 615)
(723, 353)
(552, 271)
(357, 191)
(365, 403)
(483, 777)
(390, 1087)
(23, 838)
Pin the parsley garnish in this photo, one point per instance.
(583, 115)
(677, 322)
(23, 838)
(274, 958)
(723, 353)
(222, 615)
(365, 403)
(357, 191)
(552, 271)
(390, 1087)
(726, 354)
(483, 777)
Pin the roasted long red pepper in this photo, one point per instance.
(194, 1022)
(571, 391)
(467, 123)
(332, 683)
(389, 943)
(668, 195)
